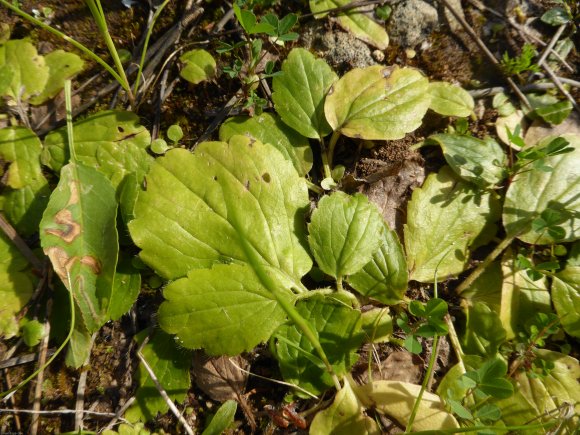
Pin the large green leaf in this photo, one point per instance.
(202, 208)
(446, 217)
(112, 142)
(481, 162)
(450, 100)
(344, 417)
(225, 310)
(345, 231)
(78, 233)
(268, 128)
(483, 332)
(61, 66)
(378, 103)
(566, 298)
(359, 24)
(29, 71)
(300, 91)
(171, 367)
(27, 191)
(16, 286)
(339, 331)
(385, 277)
(532, 191)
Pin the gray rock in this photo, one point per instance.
(411, 22)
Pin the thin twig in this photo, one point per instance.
(119, 413)
(561, 88)
(40, 379)
(551, 44)
(163, 394)
(19, 243)
(80, 396)
(482, 93)
(56, 412)
(13, 403)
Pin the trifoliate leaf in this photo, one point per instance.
(225, 310)
(481, 162)
(345, 231)
(344, 417)
(385, 277)
(16, 286)
(450, 100)
(396, 399)
(171, 367)
(300, 91)
(359, 24)
(339, 331)
(199, 66)
(61, 66)
(269, 128)
(378, 103)
(28, 69)
(446, 217)
(223, 198)
(566, 299)
(533, 191)
(78, 233)
(27, 191)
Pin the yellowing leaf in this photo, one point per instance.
(450, 100)
(61, 66)
(378, 103)
(29, 71)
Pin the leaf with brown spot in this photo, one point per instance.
(78, 233)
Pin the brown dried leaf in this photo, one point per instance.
(220, 378)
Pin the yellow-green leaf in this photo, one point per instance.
(199, 66)
(450, 100)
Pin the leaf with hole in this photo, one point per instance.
(377, 102)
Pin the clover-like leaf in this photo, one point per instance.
(29, 72)
(359, 24)
(378, 103)
(533, 191)
(78, 233)
(385, 277)
(61, 66)
(345, 416)
(269, 128)
(339, 331)
(300, 91)
(481, 162)
(171, 367)
(199, 66)
(224, 196)
(450, 100)
(446, 217)
(345, 231)
(27, 191)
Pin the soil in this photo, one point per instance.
(110, 377)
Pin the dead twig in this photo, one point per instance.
(56, 412)
(80, 396)
(40, 377)
(119, 413)
(19, 243)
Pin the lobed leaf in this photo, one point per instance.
(378, 103)
(345, 231)
(450, 100)
(446, 217)
(300, 91)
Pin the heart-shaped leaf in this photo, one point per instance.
(446, 217)
(300, 91)
(378, 103)
(199, 66)
(450, 100)
(345, 231)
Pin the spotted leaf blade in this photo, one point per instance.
(79, 235)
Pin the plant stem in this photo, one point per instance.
(69, 124)
(324, 155)
(316, 189)
(332, 146)
(68, 39)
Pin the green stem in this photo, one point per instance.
(146, 44)
(324, 155)
(99, 16)
(67, 38)
(332, 146)
(316, 189)
(69, 124)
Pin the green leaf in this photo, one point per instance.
(300, 91)
(446, 217)
(225, 310)
(566, 299)
(16, 286)
(556, 16)
(491, 379)
(532, 191)
(377, 325)
(488, 412)
(396, 399)
(345, 231)
(112, 142)
(269, 128)
(222, 419)
(171, 367)
(450, 100)
(78, 233)
(385, 277)
(61, 66)
(26, 192)
(555, 113)
(126, 287)
(378, 103)
(32, 332)
(344, 417)
(174, 133)
(224, 196)
(339, 331)
(481, 162)
(360, 25)
(483, 333)
(199, 66)
(80, 344)
(28, 69)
